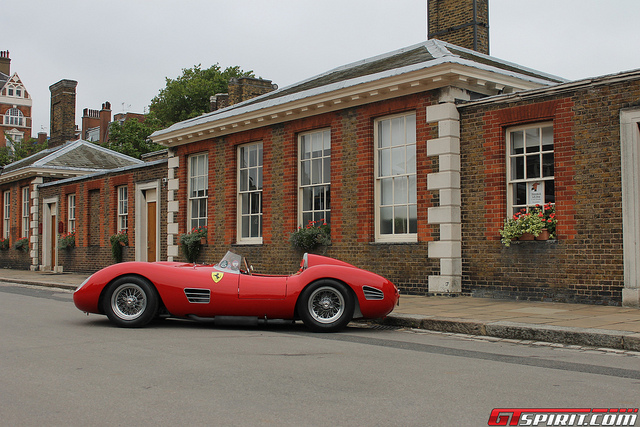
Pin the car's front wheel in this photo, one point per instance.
(130, 302)
(326, 306)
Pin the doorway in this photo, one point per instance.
(50, 234)
(147, 220)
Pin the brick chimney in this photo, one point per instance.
(461, 22)
(90, 120)
(63, 112)
(105, 120)
(244, 88)
(5, 63)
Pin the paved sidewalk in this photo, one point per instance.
(574, 324)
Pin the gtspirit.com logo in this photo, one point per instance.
(563, 417)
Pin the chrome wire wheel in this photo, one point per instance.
(326, 304)
(129, 301)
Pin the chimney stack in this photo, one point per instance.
(5, 63)
(461, 22)
(63, 112)
(105, 120)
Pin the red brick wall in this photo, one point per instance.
(12, 258)
(352, 194)
(585, 263)
(96, 216)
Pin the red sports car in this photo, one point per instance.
(325, 293)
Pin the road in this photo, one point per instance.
(59, 367)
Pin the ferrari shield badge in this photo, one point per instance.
(217, 276)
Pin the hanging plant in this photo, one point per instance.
(118, 242)
(191, 243)
(315, 234)
(22, 244)
(67, 240)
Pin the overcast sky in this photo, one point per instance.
(121, 50)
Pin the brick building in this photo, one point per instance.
(409, 157)
(592, 178)
(130, 199)
(15, 104)
(349, 145)
(26, 215)
(95, 123)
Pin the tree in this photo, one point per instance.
(131, 137)
(15, 151)
(188, 95)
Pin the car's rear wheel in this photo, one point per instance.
(130, 302)
(326, 306)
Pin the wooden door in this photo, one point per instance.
(54, 240)
(151, 231)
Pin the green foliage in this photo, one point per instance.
(20, 150)
(22, 244)
(188, 95)
(67, 240)
(316, 233)
(132, 137)
(4, 243)
(118, 241)
(532, 222)
(191, 243)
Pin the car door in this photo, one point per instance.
(257, 286)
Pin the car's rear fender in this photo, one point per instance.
(356, 313)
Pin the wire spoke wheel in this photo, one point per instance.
(326, 304)
(129, 301)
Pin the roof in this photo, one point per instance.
(102, 173)
(423, 66)
(73, 158)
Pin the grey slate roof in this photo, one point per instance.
(420, 56)
(77, 155)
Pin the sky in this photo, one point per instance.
(121, 51)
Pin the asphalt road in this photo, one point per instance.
(59, 367)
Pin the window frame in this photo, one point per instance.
(192, 220)
(409, 236)
(123, 209)
(71, 212)
(14, 117)
(6, 216)
(26, 212)
(512, 206)
(313, 214)
(242, 192)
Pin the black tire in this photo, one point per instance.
(326, 306)
(130, 302)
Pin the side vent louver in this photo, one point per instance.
(372, 293)
(198, 296)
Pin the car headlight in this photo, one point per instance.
(83, 283)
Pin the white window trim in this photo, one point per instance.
(205, 197)
(6, 229)
(387, 238)
(510, 182)
(24, 232)
(123, 215)
(239, 238)
(71, 212)
(325, 182)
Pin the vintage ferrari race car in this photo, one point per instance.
(326, 294)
